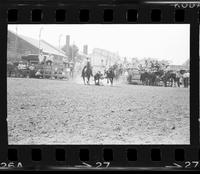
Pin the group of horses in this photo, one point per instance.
(87, 73)
(169, 78)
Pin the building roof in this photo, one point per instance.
(45, 46)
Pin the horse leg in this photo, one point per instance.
(84, 80)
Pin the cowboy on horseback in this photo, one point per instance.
(87, 72)
(109, 74)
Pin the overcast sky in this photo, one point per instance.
(161, 41)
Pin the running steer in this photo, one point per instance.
(97, 78)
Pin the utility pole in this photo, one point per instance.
(16, 42)
(39, 51)
(40, 38)
(60, 36)
(73, 52)
(73, 59)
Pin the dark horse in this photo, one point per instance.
(144, 77)
(109, 74)
(171, 78)
(87, 73)
(148, 78)
(151, 78)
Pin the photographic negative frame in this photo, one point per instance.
(91, 157)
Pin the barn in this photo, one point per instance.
(19, 46)
(30, 51)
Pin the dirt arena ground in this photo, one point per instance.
(42, 111)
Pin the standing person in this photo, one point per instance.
(68, 72)
(71, 66)
(31, 71)
(187, 75)
(185, 79)
(178, 76)
(181, 78)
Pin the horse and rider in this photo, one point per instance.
(87, 73)
(110, 74)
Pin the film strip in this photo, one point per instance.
(69, 155)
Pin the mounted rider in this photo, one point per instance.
(87, 66)
(87, 72)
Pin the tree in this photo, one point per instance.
(153, 66)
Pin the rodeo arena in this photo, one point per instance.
(67, 95)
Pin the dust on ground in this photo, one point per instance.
(42, 111)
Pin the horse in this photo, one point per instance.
(172, 78)
(118, 70)
(109, 74)
(86, 73)
(151, 78)
(148, 78)
(144, 78)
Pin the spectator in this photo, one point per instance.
(186, 76)
(178, 76)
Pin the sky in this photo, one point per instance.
(161, 41)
